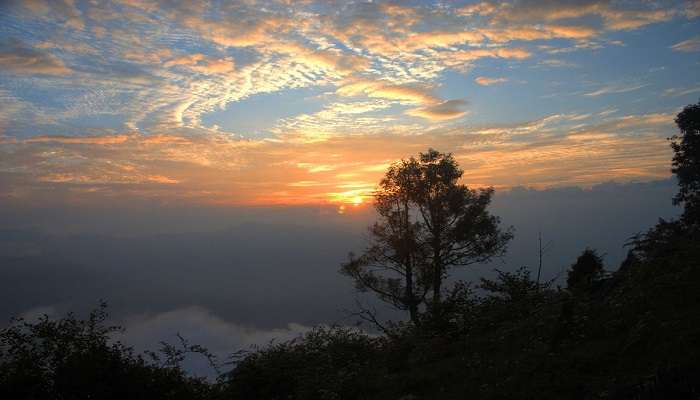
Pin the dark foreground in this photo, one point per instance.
(632, 334)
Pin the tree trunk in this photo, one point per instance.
(410, 295)
(413, 311)
(437, 272)
(437, 283)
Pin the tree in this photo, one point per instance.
(669, 235)
(629, 262)
(587, 269)
(428, 223)
(459, 231)
(686, 163)
(391, 266)
(512, 286)
(70, 358)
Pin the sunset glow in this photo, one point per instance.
(354, 199)
(309, 102)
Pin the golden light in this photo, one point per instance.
(355, 197)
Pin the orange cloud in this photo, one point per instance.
(18, 58)
(200, 63)
(434, 108)
(544, 32)
(486, 81)
(614, 17)
(96, 140)
(342, 168)
(242, 33)
(446, 110)
(442, 39)
(409, 93)
(331, 59)
(165, 139)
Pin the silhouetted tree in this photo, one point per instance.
(686, 163)
(458, 229)
(630, 261)
(70, 358)
(512, 286)
(428, 223)
(325, 363)
(391, 267)
(587, 269)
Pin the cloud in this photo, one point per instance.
(690, 45)
(336, 119)
(434, 108)
(633, 19)
(66, 11)
(96, 140)
(484, 8)
(557, 63)
(644, 120)
(187, 60)
(17, 57)
(37, 6)
(252, 31)
(486, 81)
(166, 139)
(614, 16)
(615, 88)
(553, 150)
(200, 63)
(385, 90)
(200, 326)
(544, 32)
(442, 39)
(675, 92)
(692, 9)
(460, 57)
(448, 109)
(181, 78)
(330, 59)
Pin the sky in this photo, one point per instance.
(206, 166)
(308, 102)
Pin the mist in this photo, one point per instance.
(231, 277)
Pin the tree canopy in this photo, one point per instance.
(587, 269)
(686, 163)
(428, 223)
(72, 358)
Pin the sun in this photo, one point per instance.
(355, 198)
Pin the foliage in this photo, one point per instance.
(392, 267)
(428, 223)
(587, 270)
(510, 337)
(686, 163)
(459, 231)
(70, 358)
(326, 363)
